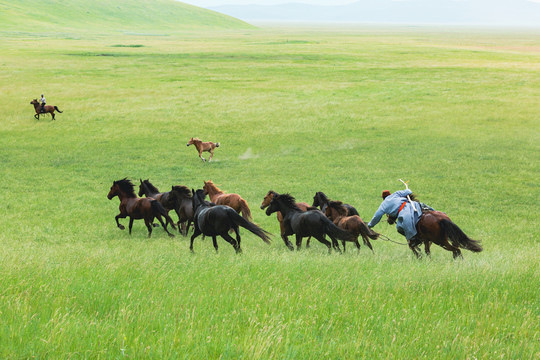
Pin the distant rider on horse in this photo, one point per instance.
(43, 102)
(402, 209)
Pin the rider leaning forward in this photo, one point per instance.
(400, 207)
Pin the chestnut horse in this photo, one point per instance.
(301, 205)
(203, 146)
(235, 201)
(137, 208)
(48, 109)
(436, 227)
(337, 212)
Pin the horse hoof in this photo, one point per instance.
(121, 227)
(171, 235)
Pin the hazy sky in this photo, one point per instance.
(206, 3)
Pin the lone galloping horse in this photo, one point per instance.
(47, 109)
(203, 146)
(235, 201)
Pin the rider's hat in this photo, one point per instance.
(386, 193)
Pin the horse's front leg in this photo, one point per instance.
(196, 233)
(120, 216)
(36, 116)
(200, 155)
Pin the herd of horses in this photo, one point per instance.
(225, 213)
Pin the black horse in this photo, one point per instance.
(213, 220)
(321, 201)
(309, 223)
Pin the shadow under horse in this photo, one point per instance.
(137, 208)
(309, 223)
(216, 220)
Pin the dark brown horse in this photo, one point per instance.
(47, 109)
(337, 212)
(235, 201)
(301, 205)
(321, 200)
(436, 227)
(181, 201)
(203, 146)
(137, 208)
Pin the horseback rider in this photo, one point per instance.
(43, 102)
(400, 207)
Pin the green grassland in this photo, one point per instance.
(345, 111)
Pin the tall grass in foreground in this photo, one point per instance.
(345, 112)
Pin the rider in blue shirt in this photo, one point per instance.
(397, 205)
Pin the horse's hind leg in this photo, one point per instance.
(130, 224)
(238, 239)
(335, 244)
(325, 242)
(231, 241)
(52, 114)
(148, 224)
(164, 226)
(214, 241)
(427, 247)
(298, 242)
(211, 155)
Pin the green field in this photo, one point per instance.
(345, 111)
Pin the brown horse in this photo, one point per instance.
(235, 201)
(301, 205)
(436, 227)
(203, 146)
(137, 208)
(47, 109)
(337, 212)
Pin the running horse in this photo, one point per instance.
(436, 227)
(137, 208)
(307, 223)
(235, 201)
(202, 146)
(47, 109)
(217, 220)
(301, 205)
(337, 212)
(321, 200)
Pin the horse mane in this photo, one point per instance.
(338, 206)
(126, 186)
(151, 187)
(272, 192)
(181, 191)
(213, 186)
(413, 197)
(323, 196)
(288, 200)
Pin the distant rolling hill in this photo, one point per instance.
(109, 15)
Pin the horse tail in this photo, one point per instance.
(255, 229)
(56, 108)
(217, 144)
(336, 232)
(246, 213)
(365, 230)
(458, 237)
(158, 209)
